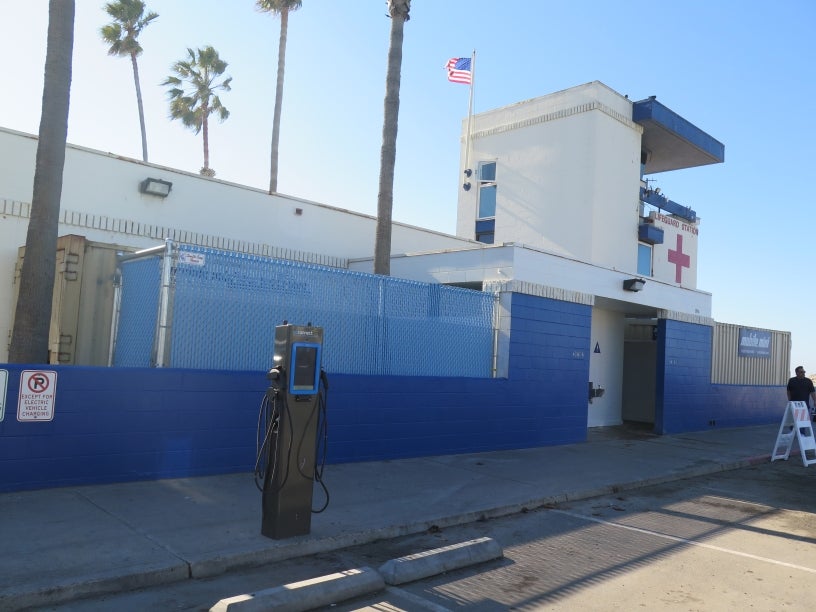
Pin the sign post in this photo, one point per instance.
(796, 426)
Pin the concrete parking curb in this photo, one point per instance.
(440, 560)
(342, 586)
(307, 594)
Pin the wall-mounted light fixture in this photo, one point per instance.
(156, 187)
(633, 284)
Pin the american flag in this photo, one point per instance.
(459, 70)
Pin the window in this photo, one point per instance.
(485, 229)
(644, 262)
(487, 171)
(487, 190)
(486, 213)
(487, 201)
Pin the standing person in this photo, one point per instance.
(800, 389)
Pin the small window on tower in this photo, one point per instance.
(644, 262)
(487, 172)
(487, 190)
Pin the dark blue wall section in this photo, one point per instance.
(549, 362)
(686, 398)
(116, 424)
(120, 424)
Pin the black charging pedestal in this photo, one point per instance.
(293, 395)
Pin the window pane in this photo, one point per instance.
(487, 201)
(644, 265)
(487, 171)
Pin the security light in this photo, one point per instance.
(633, 284)
(156, 187)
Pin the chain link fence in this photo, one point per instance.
(218, 310)
(137, 303)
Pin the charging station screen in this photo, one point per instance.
(304, 374)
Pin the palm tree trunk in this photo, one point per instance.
(388, 154)
(139, 104)
(205, 136)
(32, 320)
(273, 166)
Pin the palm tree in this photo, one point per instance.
(282, 8)
(200, 70)
(32, 319)
(398, 11)
(123, 37)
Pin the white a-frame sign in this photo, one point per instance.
(796, 426)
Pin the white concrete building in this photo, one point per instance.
(556, 185)
(552, 201)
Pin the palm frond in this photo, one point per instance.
(128, 22)
(195, 103)
(276, 7)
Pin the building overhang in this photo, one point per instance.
(670, 142)
(566, 279)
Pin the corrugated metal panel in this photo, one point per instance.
(728, 367)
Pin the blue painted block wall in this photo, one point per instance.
(542, 402)
(549, 362)
(120, 424)
(686, 398)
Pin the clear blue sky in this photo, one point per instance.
(742, 70)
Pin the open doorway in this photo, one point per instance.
(639, 371)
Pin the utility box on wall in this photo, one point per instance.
(82, 302)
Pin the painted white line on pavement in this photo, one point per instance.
(689, 542)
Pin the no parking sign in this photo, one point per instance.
(38, 389)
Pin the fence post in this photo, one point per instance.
(501, 340)
(164, 322)
(117, 309)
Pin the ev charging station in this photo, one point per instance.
(288, 435)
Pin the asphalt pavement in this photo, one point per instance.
(66, 543)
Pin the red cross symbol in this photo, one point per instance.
(679, 259)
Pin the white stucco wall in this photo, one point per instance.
(606, 367)
(104, 184)
(568, 174)
(675, 260)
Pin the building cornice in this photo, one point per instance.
(685, 317)
(534, 289)
(561, 114)
(72, 218)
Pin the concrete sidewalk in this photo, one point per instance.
(62, 544)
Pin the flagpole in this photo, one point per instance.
(470, 108)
